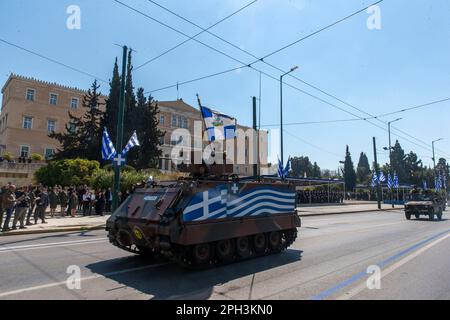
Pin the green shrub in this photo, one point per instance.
(37, 157)
(67, 172)
(8, 156)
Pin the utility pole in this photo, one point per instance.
(390, 155)
(434, 156)
(377, 171)
(281, 110)
(119, 142)
(255, 137)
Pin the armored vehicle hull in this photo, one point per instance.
(202, 223)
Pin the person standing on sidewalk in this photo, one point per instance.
(100, 204)
(53, 200)
(32, 196)
(2, 192)
(9, 201)
(73, 203)
(22, 205)
(41, 206)
(63, 200)
(108, 200)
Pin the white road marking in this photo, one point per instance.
(352, 293)
(96, 276)
(50, 245)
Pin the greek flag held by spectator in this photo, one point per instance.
(219, 126)
(134, 142)
(374, 179)
(382, 177)
(108, 150)
(390, 182)
(396, 182)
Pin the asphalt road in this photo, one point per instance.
(329, 260)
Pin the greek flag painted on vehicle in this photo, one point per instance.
(227, 201)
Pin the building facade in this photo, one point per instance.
(31, 109)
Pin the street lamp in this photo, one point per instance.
(281, 108)
(434, 156)
(390, 149)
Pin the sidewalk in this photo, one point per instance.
(351, 207)
(65, 224)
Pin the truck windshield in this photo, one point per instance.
(420, 197)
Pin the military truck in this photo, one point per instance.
(425, 204)
(208, 218)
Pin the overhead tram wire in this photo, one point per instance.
(359, 119)
(313, 145)
(52, 60)
(266, 74)
(194, 36)
(285, 47)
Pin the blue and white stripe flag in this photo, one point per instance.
(280, 169)
(444, 181)
(219, 126)
(108, 150)
(374, 179)
(382, 177)
(134, 142)
(396, 181)
(287, 168)
(390, 181)
(425, 185)
(438, 183)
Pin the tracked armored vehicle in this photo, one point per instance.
(208, 220)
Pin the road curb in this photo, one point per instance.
(349, 212)
(53, 230)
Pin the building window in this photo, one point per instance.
(24, 151)
(28, 123)
(74, 103)
(185, 123)
(174, 121)
(162, 119)
(51, 126)
(49, 153)
(30, 94)
(161, 140)
(53, 99)
(72, 128)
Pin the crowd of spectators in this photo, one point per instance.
(27, 205)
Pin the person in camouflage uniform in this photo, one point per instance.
(53, 201)
(63, 201)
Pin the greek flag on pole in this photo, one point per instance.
(108, 150)
(438, 183)
(396, 182)
(382, 177)
(283, 172)
(134, 142)
(444, 181)
(425, 185)
(374, 179)
(390, 181)
(219, 126)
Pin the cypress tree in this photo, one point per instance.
(83, 135)
(349, 171)
(363, 171)
(112, 105)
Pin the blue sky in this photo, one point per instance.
(406, 63)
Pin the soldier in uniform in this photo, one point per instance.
(32, 196)
(63, 201)
(53, 200)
